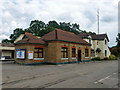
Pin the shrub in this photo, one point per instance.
(106, 58)
(112, 57)
(96, 58)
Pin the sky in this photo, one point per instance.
(19, 13)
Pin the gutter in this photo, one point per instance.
(28, 43)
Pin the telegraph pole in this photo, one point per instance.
(98, 19)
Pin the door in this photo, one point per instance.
(12, 56)
(79, 55)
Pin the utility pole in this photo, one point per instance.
(98, 19)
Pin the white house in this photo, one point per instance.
(99, 44)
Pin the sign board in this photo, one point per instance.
(20, 53)
(30, 54)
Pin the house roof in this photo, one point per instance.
(6, 44)
(55, 35)
(94, 37)
(32, 41)
(30, 35)
(29, 38)
(84, 35)
(100, 37)
(62, 35)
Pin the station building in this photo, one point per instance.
(56, 47)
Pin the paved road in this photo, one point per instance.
(89, 75)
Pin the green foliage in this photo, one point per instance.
(39, 28)
(53, 24)
(118, 40)
(106, 58)
(112, 57)
(16, 34)
(115, 51)
(6, 41)
(96, 58)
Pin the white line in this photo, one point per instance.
(102, 79)
(96, 82)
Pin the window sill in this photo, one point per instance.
(38, 58)
(64, 58)
(73, 58)
(86, 57)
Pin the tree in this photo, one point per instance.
(118, 40)
(115, 51)
(53, 24)
(39, 28)
(6, 41)
(16, 34)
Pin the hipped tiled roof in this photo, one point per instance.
(57, 35)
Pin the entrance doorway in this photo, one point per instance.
(79, 55)
(12, 55)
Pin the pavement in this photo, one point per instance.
(99, 74)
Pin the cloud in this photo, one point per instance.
(3, 37)
(108, 19)
(19, 14)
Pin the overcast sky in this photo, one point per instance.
(19, 13)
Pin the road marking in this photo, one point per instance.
(102, 79)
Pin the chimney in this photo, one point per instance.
(56, 37)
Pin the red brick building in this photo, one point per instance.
(56, 47)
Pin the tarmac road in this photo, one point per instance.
(101, 74)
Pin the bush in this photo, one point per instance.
(106, 58)
(96, 58)
(112, 57)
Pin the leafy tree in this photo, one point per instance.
(115, 51)
(16, 34)
(39, 28)
(6, 41)
(118, 40)
(53, 24)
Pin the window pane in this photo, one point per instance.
(86, 53)
(92, 53)
(36, 55)
(64, 52)
(73, 52)
(40, 55)
(38, 52)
